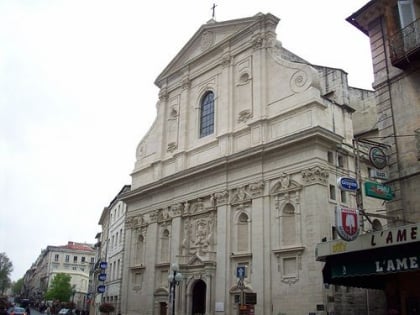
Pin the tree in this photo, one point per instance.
(17, 287)
(60, 288)
(6, 268)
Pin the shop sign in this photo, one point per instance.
(380, 265)
(347, 183)
(377, 157)
(396, 236)
(378, 174)
(347, 223)
(378, 191)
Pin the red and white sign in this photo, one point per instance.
(347, 223)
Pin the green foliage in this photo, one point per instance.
(6, 268)
(60, 288)
(17, 287)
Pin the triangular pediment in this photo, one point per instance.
(208, 37)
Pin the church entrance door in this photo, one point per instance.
(163, 308)
(199, 298)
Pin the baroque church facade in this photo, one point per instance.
(239, 170)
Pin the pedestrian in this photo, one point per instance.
(28, 310)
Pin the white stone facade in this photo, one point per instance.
(110, 250)
(115, 251)
(74, 259)
(255, 192)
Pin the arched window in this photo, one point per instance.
(243, 233)
(289, 225)
(164, 246)
(207, 115)
(139, 250)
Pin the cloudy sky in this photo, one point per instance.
(77, 95)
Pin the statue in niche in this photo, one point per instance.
(201, 234)
(172, 129)
(211, 221)
(187, 233)
(212, 201)
(186, 208)
(285, 180)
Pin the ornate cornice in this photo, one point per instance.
(315, 175)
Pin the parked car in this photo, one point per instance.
(16, 310)
(65, 311)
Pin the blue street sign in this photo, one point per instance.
(240, 272)
(101, 288)
(103, 265)
(347, 183)
(102, 277)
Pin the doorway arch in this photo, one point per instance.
(199, 297)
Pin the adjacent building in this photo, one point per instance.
(236, 180)
(110, 250)
(388, 259)
(74, 259)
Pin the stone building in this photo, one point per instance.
(238, 173)
(74, 259)
(111, 250)
(388, 259)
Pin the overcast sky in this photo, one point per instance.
(77, 96)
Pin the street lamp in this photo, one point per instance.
(174, 278)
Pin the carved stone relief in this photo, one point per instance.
(172, 126)
(176, 209)
(226, 60)
(246, 193)
(135, 222)
(284, 185)
(257, 41)
(207, 40)
(300, 81)
(315, 175)
(153, 216)
(198, 233)
(245, 115)
(186, 83)
(163, 215)
(221, 197)
(172, 146)
(199, 205)
(256, 189)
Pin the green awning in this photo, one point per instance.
(372, 268)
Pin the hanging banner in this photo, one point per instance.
(347, 223)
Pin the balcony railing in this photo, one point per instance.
(405, 45)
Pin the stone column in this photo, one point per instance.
(221, 287)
